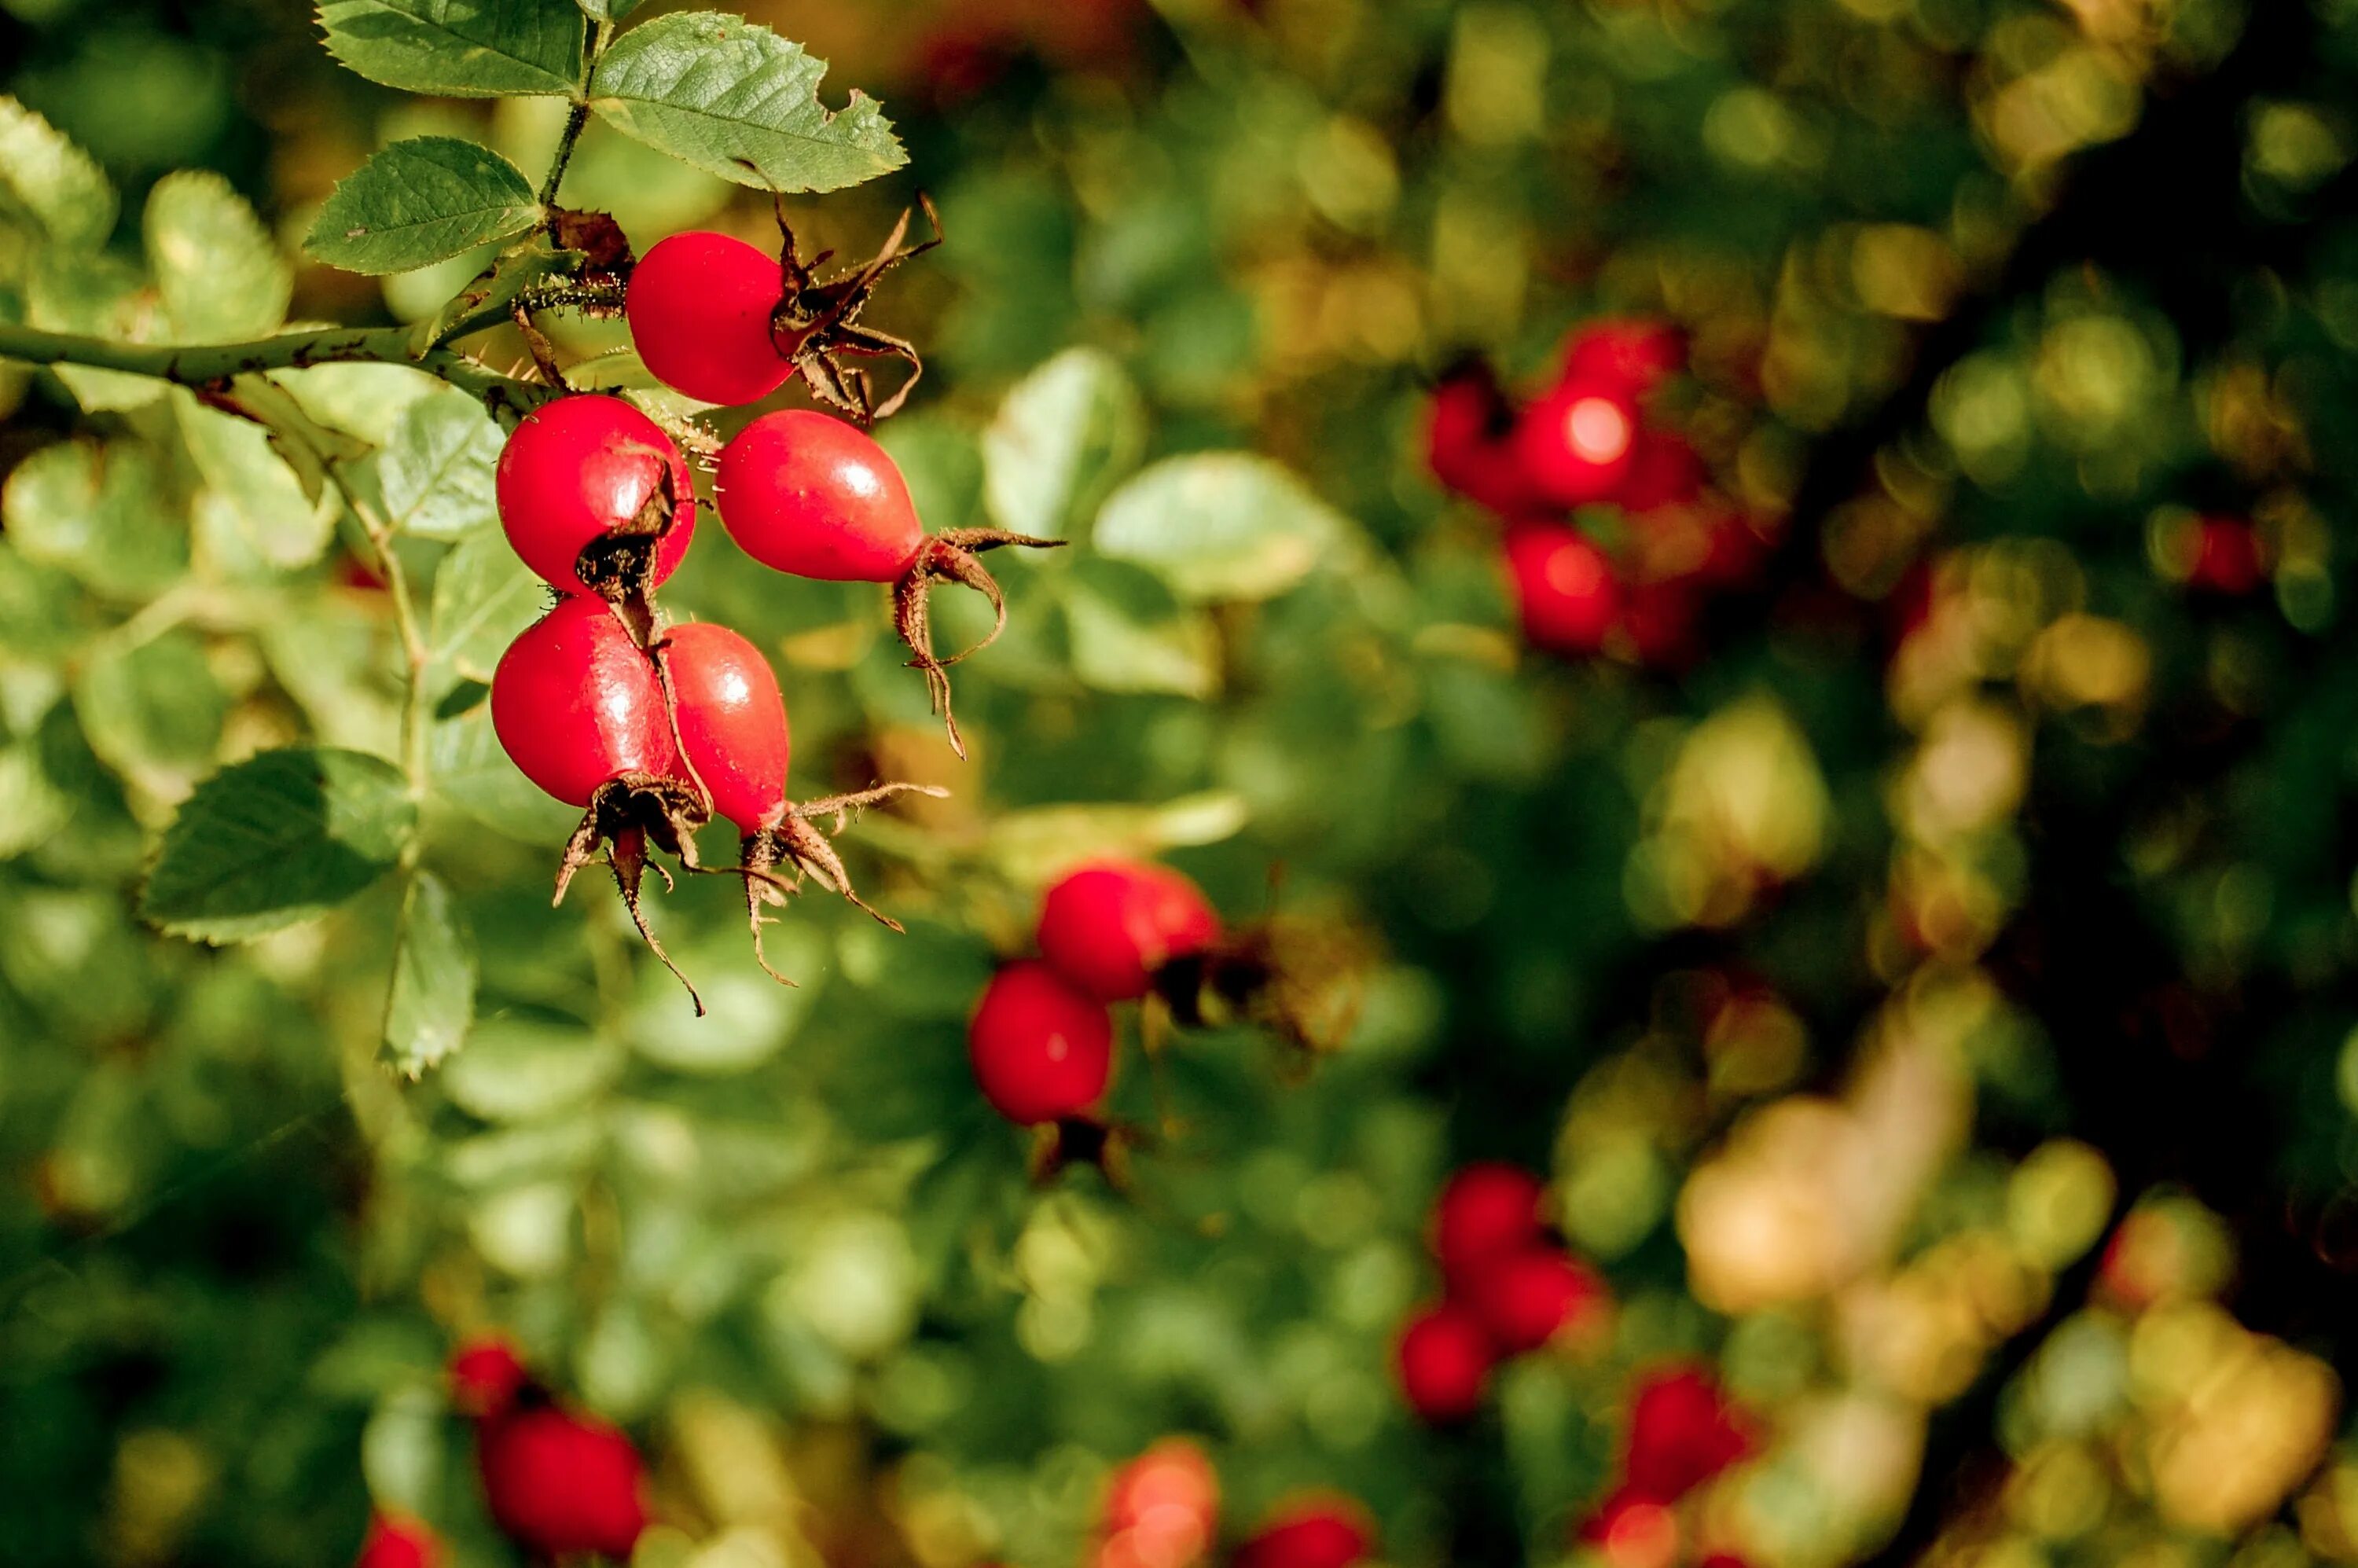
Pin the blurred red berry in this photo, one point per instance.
(1663, 471)
(1526, 1297)
(1108, 926)
(1445, 1360)
(486, 1376)
(560, 1484)
(1162, 1509)
(1566, 595)
(1469, 435)
(1634, 1531)
(2227, 557)
(1633, 357)
(1659, 619)
(1682, 1432)
(1314, 1533)
(1042, 1051)
(1576, 444)
(394, 1542)
(1486, 1208)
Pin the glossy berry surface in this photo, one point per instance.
(583, 467)
(574, 702)
(1682, 1432)
(1309, 1535)
(398, 1544)
(1443, 1360)
(808, 494)
(560, 1484)
(1042, 1051)
(1487, 1208)
(1565, 593)
(1526, 1297)
(1631, 357)
(1576, 444)
(1108, 926)
(732, 722)
(699, 307)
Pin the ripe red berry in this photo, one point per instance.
(1443, 1360)
(1566, 595)
(486, 1376)
(1633, 357)
(1576, 444)
(1162, 1509)
(1486, 1209)
(1108, 926)
(576, 702)
(1682, 1432)
(394, 1542)
(732, 722)
(560, 1484)
(1663, 471)
(2227, 557)
(1314, 1533)
(1042, 1051)
(582, 469)
(699, 307)
(1525, 1297)
(1467, 442)
(815, 496)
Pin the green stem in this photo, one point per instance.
(577, 115)
(213, 364)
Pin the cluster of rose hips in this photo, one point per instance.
(1511, 1288)
(655, 729)
(1636, 587)
(1110, 931)
(1682, 1430)
(559, 1484)
(1162, 1510)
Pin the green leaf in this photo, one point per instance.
(421, 201)
(436, 470)
(460, 49)
(220, 273)
(362, 400)
(1031, 846)
(433, 998)
(154, 711)
(46, 179)
(482, 597)
(472, 772)
(519, 1070)
(608, 10)
(252, 513)
(96, 510)
(1064, 437)
(1130, 633)
(1223, 525)
(276, 840)
(736, 100)
(102, 298)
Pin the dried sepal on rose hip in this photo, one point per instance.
(597, 499)
(578, 708)
(811, 496)
(718, 319)
(735, 745)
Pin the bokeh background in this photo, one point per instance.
(1926, 981)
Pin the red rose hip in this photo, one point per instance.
(1443, 1359)
(1042, 1051)
(1314, 1533)
(1577, 443)
(732, 722)
(699, 307)
(1526, 1297)
(589, 469)
(1633, 357)
(575, 703)
(1108, 926)
(1487, 1208)
(1565, 593)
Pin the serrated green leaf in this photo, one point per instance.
(362, 400)
(102, 298)
(483, 596)
(1064, 437)
(221, 274)
(1223, 525)
(98, 511)
(1130, 633)
(608, 10)
(421, 201)
(472, 773)
(460, 49)
(437, 472)
(49, 181)
(252, 514)
(432, 1002)
(276, 840)
(734, 99)
(152, 712)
